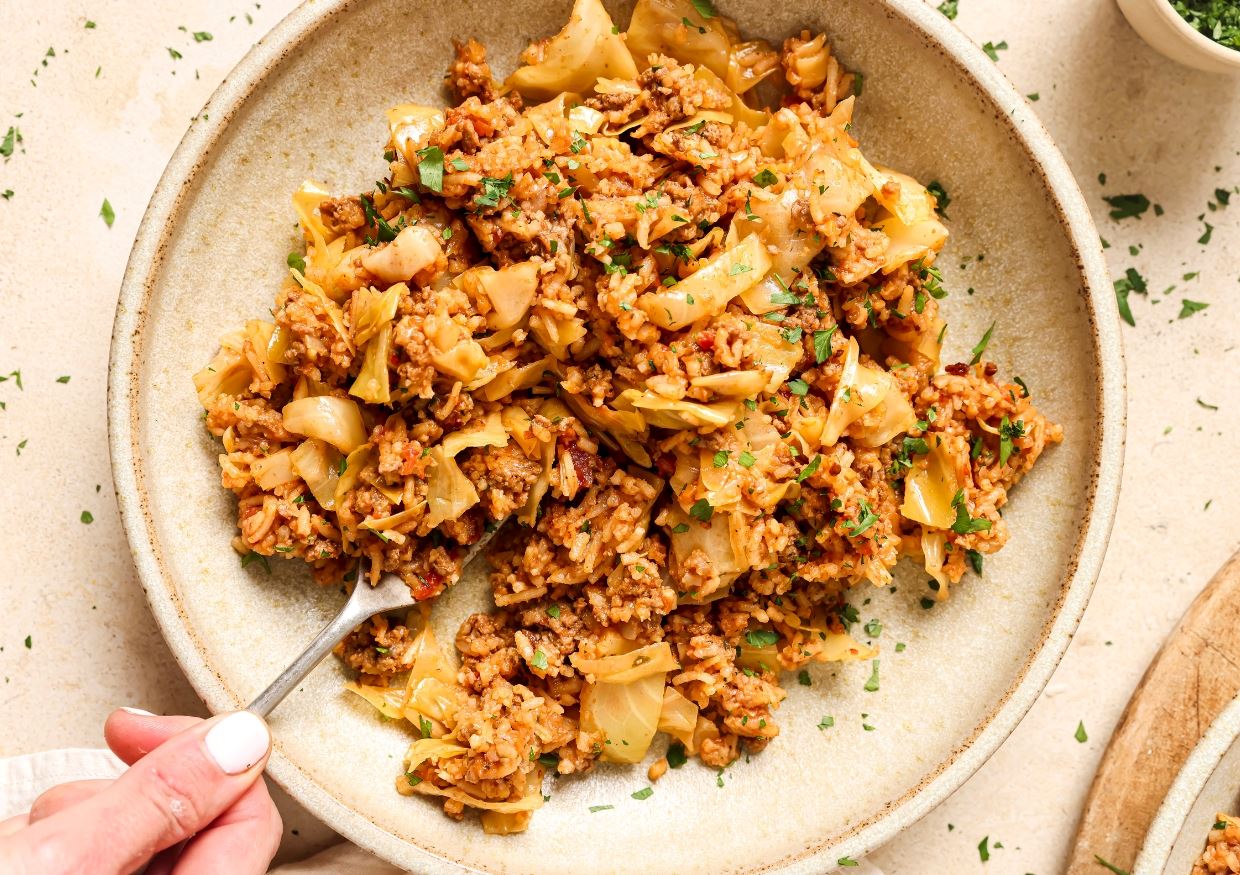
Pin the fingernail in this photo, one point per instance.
(137, 712)
(238, 741)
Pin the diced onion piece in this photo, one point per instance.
(625, 668)
(795, 247)
(510, 291)
(373, 383)
(318, 463)
(860, 390)
(573, 60)
(328, 418)
(274, 470)
(732, 384)
(415, 248)
(228, 373)
(626, 714)
(929, 490)
(516, 379)
(706, 291)
(676, 29)
(678, 716)
(491, 433)
(449, 493)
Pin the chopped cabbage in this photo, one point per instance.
(626, 714)
(415, 248)
(318, 463)
(860, 390)
(373, 383)
(274, 470)
(411, 126)
(228, 373)
(678, 717)
(491, 433)
(794, 247)
(624, 668)
(929, 489)
(675, 28)
(706, 291)
(370, 310)
(517, 378)
(328, 418)
(510, 291)
(586, 48)
(449, 493)
(665, 413)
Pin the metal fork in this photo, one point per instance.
(389, 594)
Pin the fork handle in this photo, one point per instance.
(353, 614)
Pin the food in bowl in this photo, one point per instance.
(1222, 851)
(680, 349)
(1217, 19)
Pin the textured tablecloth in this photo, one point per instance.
(100, 110)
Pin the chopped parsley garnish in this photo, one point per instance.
(1008, 431)
(594, 809)
(941, 197)
(846, 861)
(826, 722)
(1217, 19)
(383, 230)
(493, 191)
(804, 679)
(430, 168)
(720, 459)
(64, 379)
(1188, 308)
(792, 335)
(874, 628)
(554, 612)
(992, 49)
(676, 755)
(29, 642)
(1081, 735)
(296, 261)
(965, 524)
(761, 638)
(1023, 387)
(1204, 239)
(745, 459)
(174, 54)
(983, 849)
(10, 141)
(1206, 405)
(1127, 206)
(798, 387)
(975, 560)
(871, 686)
(864, 521)
(539, 660)
(739, 268)
(459, 165)
(424, 726)
(201, 36)
(702, 510)
(950, 8)
(87, 517)
(982, 344)
(643, 793)
(809, 469)
(822, 344)
(1131, 281)
(765, 177)
(256, 557)
(107, 213)
(680, 528)
(705, 8)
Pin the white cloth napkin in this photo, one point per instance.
(24, 778)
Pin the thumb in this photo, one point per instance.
(164, 798)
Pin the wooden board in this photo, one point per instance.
(1194, 676)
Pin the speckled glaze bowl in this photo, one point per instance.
(308, 102)
(1208, 785)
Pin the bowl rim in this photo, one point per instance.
(975, 69)
(1171, 820)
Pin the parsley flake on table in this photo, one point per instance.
(871, 686)
(201, 36)
(1081, 735)
(676, 756)
(1188, 308)
(87, 517)
(595, 809)
(982, 344)
(826, 722)
(847, 861)
(29, 642)
(983, 849)
(251, 557)
(1204, 239)
(643, 793)
(107, 213)
(10, 142)
(950, 8)
(992, 49)
(174, 54)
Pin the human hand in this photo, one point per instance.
(192, 803)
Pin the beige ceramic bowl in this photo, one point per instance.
(308, 101)
(1157, 22)
(1208, 785)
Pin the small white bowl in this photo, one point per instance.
(1163, 28)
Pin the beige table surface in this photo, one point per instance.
(101, 109)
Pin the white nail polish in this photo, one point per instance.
(238, 741)
(137, 712)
